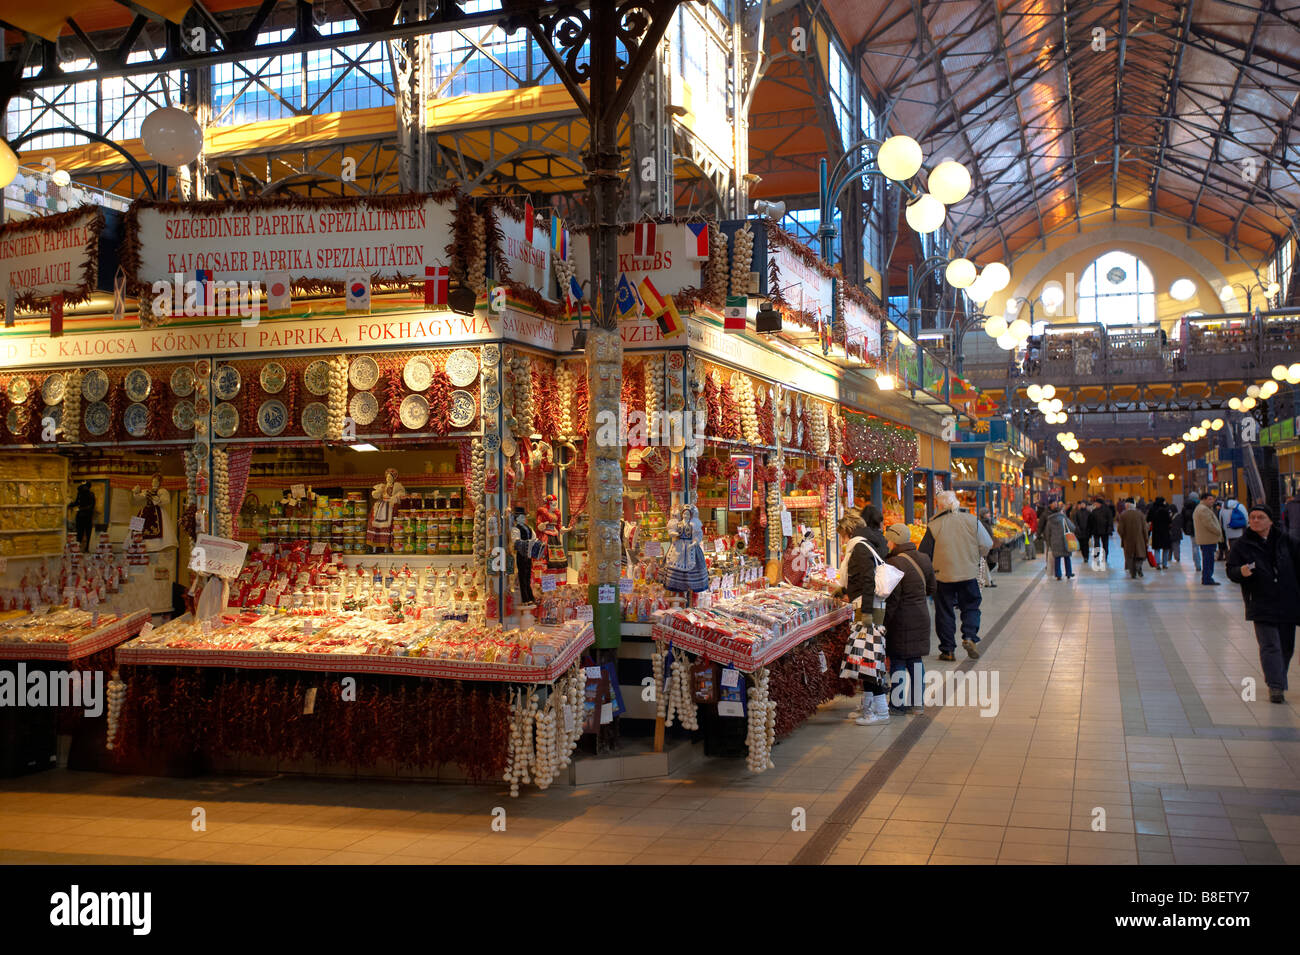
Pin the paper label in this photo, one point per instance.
(298, 491)
(309, 702)
(605, 594)
(719, 545)
(266, 548)
(318, 548)
(137, 524)
(586, 613)
(652, 549)
(606, 713)
(568, 718)
(730, 677)
(848, 485)
(787, 525)
(593, 673)
(147, 628)
(731, 708)
(218, 556)
(548, 583)
(625, 585)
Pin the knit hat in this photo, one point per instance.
(1262, 507)
(898, 534)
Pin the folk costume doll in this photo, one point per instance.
(388, 498)
(526, 545)
(154, 503)
(549, 531)
(687, 571)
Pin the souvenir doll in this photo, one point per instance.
(387, 497)
(686, 568)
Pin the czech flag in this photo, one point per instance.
(733, 316)
(644, 241)
(670, 320)
(437, 281)
(625, 296)
(697, 241)
(357, 293)
(279, 293)
(651, 300)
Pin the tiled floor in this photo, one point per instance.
(1121, 736)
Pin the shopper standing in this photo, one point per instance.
(1264, 561)
(857, 584)
(1080, 520)
(1291, 516)
(1100, 523)
(1175, 532)
(1234, 520)
(907, 618)
(1189, 526)
(1158, 521)
(874, 522)
(1133, 540)
(1054, 530)
(1208, 536)
(987, 521)
(956, 542)
(1030, 517)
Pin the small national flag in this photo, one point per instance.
(559, 238)
(573, 297)
(56, 315)
(670, 320)
(697, 241)
(279, 293)
(644, 241)
(733, 316)
(575, 288)
(357, 293)
(201, 297)
(437, 283)
(625, 295)
(528, 222)
(653, 302)
(10, 305)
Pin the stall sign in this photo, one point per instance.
(666, 264)
(527, 259)
(803, 286)
(740, 491)
(218, 556)
(859, 323)
(53, 255)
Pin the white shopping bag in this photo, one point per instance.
(1097, 560)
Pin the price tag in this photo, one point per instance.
(730, 677)
(318, 548)
(607, 714)
(787, 523)
(652, 549)
(719, 545)
(731, 708)
(548, 583)
(605, 594)
(147, 628)
(298, 491)
(137, 524)
(307, 629)
(848, 484)
(309, 702)
(218, 556)
(593, 673)
(625, 585)
(632, 476)
(585, 613)
(266, 548)
(568, 717)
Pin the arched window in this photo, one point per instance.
(1117, 289)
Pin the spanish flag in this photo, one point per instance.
(670, 321)
(653, 302)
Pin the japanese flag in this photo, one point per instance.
(357, 293)
(279, 293)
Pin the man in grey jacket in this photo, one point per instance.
(956, 542)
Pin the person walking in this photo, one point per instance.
(856, 583)
(1100, 525)
(1158, 521)
(1133, 540)
(1080, 519)
(991, 558)
(956, 542)
(1054, 530)
(1175, 532)
(1291, 516)
(1030, 517)
(1264, 561)
(1209, 534)
(1234, 520)
(907, 619)
(1189, 526)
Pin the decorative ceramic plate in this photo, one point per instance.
(317, 377)
(364, 373)
(787, 430)
(491, 441)
(17, 420)
(316, 420)
(137, 384)
(228, 382)
(463, 409)
(491, 400)
(225, 420)
(201, 449)
(272, 377)
(508, 446)
(418, 373)
(675, 402)
(414, 412)
(183, 416)
(462, 367)
(53, 413)
(364, 408)
(98, 418)
(675, 362)
(272, 416)
(202, 407)
(202, 368)
(95, 385)
(491, 355)
(182, 382)
(53, 388)
(136, 420)
(19, 389)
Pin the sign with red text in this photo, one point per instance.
(666, 263)
(51, 255)
(243, 241)
(528, 262)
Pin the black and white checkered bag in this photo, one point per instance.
(864, 654)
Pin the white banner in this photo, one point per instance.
(529, 262)
(802, 285)
(668, 268)
(859, 324)
(39, 261)
(326, 242)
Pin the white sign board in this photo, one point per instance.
(529, 262)
(218, 556)
(667, 265)
(39, 261)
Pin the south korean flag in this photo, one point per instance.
(357, 294)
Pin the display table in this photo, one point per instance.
(110, 634)
(750, 662)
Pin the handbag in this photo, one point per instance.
(1071, 543)
(1151, 557)
(887, 575)
(982, 573)
(864, 654)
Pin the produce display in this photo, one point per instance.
(64, 633)
(58, 625)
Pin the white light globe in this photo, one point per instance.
(1279, 372)
(1234, 403)
(1035, 393)
(1057, 404)
(899, 157)
(1045, 406)
(1020, 328)
(1226, 294)
(1268, 389)
(926, 214)
(949, 182)
(885, 382)
(8, 164)
(171, 136)
(997, 275)
(1182, 289)
(1205, 423)
(996, 326)
(979, 292)
(1248, 404)
(1216, 424)
(1007, 341)
(1293, 371)
(1052, 295)
(1252, 391)
(1060, 436)
(960, 273)
(61, 177)
(1049, 392)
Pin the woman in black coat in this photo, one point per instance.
(907, 617)
(1158, 521)
(857, 582)
(1266, 563)
(874, 522)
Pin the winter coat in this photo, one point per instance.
(1159, 519)
(1133, 533)
(907, 614)
(1175, 526)
(1054, 530)
(1206, 526)
(1291, 517)
(1230, 534)
(1189, 525)
(1099, 522)
(862, 567)
(955, 541)
(1272, 591)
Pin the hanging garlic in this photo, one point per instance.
(72, 408)
(742, 258)
(477, 265)
(338, 396)
(743, 390)
(116, 700)
(654, 395)
(717, 281)
(817, 420)
(657, 670)
(762, 724)
(221, 485)
(565, 382)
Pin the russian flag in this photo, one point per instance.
(653, 302)
(697, 241)
(644, 239)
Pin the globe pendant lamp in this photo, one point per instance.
(949, 182)
(996, 326)
(979, 291)
(997, 275)
(171, 136)
(8, 164)
(960, 273)
(926, 214)
(1019, 328)
(1007, 341)
(899, 158)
